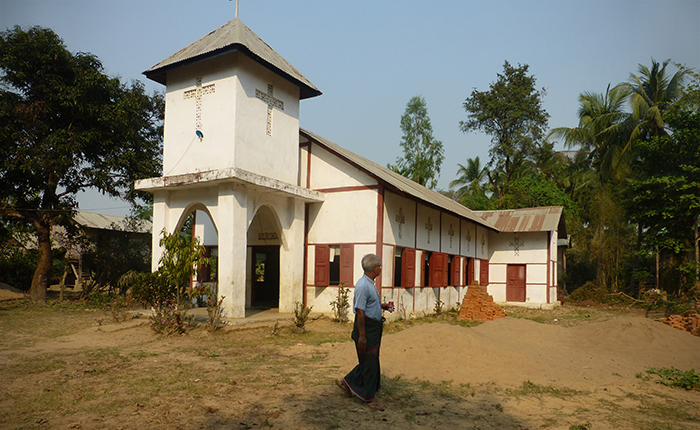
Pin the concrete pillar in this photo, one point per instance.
(292, 258)
(160, 222)
(232, 223)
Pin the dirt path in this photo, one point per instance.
(509, 373)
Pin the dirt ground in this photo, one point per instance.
(575, 369)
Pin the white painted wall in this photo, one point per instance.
(428, 230)
(234, 120)
(449, 234)
(329, 171)
(344, 217)
(399, 220)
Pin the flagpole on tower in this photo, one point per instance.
(236, 8)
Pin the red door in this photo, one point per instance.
(515, 283)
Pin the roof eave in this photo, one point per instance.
(160, 74)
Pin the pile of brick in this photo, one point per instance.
(689, 321)
(478, 305)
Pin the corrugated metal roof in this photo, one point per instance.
(230, 37)
(526, 220)
(400, 183)
(110, 222)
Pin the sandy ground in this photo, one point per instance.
(591, 368)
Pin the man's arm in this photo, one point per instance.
(362, 341)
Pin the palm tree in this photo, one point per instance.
(650, 95)
(602, 134)
(470, 178)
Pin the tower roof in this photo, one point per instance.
(230, 37)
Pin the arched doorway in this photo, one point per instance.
(264, 241)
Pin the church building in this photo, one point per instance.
(287, 215)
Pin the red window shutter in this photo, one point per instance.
(408, 268)
(455, 270)
(484, 272)
(346, 264)
(322, 274)
(438, 263)
(470, 271)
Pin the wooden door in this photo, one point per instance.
(515, 283)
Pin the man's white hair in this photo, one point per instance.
(370, 261)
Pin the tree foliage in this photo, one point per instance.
(423, 154)
(511, 113)
(65, 126)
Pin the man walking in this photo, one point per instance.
(363, 380)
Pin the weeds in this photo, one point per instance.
(167, 319)
(341, 304)
(672, 377)
(301, 314)
(529, 388)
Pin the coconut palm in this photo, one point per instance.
(650, 95)
(470, 178)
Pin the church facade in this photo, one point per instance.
(287, 214)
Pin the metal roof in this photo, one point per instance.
(110, 222)
(400, 183)
(230, 37)
(527, 220)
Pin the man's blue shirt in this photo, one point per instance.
(367, 298)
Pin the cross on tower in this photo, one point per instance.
(400, 219)
(197, 94)
(428, 227)
(450, 232)
(516, 244)
(271, 103)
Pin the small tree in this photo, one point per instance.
(341, 305)
(423, 154)
(180, 261)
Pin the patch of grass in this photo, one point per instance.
(529, 388)
(672, 377)
(584, 426)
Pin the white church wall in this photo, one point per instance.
(468, 238)
(275, 154)
(449, 234)
(205, 229)
(183, 151)
(428, 231)
(482, 243)
(399, 220)
(518, 248)
(387, 266)
(231, 117)
(329, 171)
(344, 217)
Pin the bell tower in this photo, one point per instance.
(231, 102)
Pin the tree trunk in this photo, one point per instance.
(37, 292)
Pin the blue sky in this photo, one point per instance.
(370, 57)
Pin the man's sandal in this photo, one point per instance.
(341, 384)
(374, 406)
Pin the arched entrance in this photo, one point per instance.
(264, 241)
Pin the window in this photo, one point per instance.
(408, 268)
(454, 272)
(398, 266)
(436, 268)
(484, 273)
(333, 265)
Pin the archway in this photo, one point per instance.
(264, 241)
